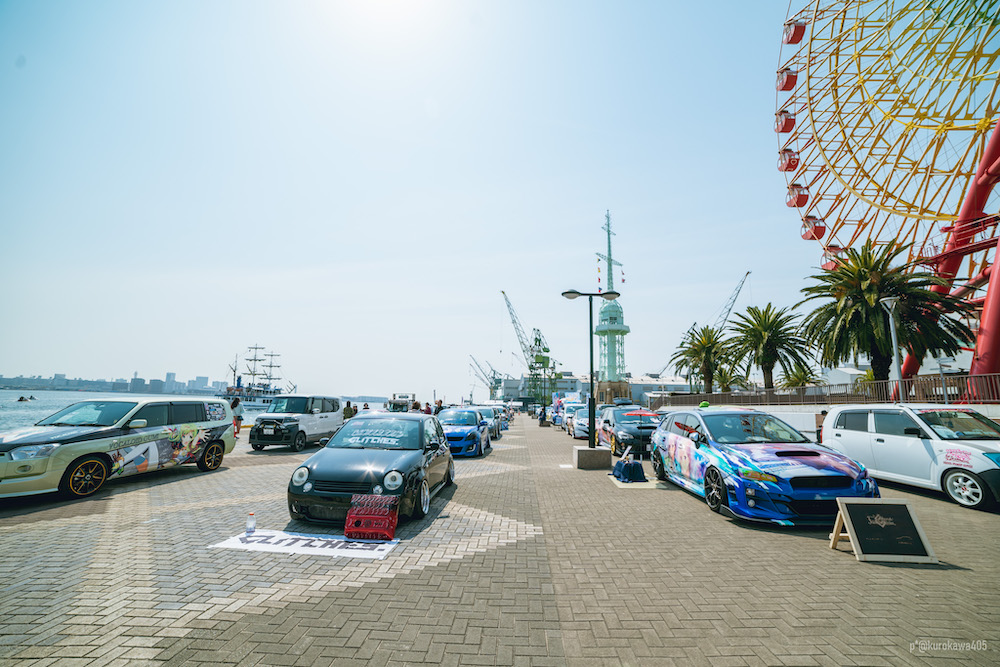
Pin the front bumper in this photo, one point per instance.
(463, 447)
(283, 434)
(332, 507)
(36, 476)
(811, 507)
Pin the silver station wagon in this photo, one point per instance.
(79, 448)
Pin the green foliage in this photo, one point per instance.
(853, 322)
(801, 376)
(727, 376)
(701, 351)
(766, 337)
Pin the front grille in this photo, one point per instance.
(456, 438)
(814, 507)
(822, 482)
(326, 512)
(342, 487)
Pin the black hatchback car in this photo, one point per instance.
(381, 453)
(623, 427)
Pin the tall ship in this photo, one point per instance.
(263, 384)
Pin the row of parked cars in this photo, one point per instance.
(752, 465)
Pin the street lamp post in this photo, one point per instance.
(610, 295)
(889, 303)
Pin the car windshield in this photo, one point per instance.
(582, 412)
(458, 418)
(749, 428)
(633, 416)
(361, 433)
(291, 404)
(89, 413)
(486, 412)
(960, 424)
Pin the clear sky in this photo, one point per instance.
(352, 184)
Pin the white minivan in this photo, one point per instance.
(950, 448)
(296, 420)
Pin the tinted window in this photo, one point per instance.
(853, 421)
(186, 413)
(677, 425)
(459, 417)
(290, 404)
(693, 425)
(155, 414)
(362, 433)
(328, 405)
(892, 423)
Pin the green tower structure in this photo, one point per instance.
(611, 327)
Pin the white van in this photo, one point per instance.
(945, 447)
(296, 420)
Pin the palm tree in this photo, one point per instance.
(727, 376)
(801, 376)
(766, 337)
(853, 322)
(701, 351)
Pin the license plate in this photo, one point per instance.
(267, 431)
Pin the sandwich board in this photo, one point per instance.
(881, 529)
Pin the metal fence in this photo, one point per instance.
(922, 389)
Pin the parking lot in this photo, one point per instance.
(523, 561)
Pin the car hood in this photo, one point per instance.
(790, 460)
(339, 464)
(456, 429)
(37, 435)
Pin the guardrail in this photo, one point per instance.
(921, 389)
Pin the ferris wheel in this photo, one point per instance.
(886, 117)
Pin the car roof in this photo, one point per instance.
(912, 406)
(414, 416)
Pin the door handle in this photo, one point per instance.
(836, 435)
(879, 440)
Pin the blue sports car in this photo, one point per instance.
(751, 465)
(467, 431)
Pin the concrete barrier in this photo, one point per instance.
(585, 458)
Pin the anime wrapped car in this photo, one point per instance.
(751, 465)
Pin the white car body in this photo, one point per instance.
(929, 454)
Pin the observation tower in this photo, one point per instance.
(611, 330)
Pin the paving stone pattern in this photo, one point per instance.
(521, 562)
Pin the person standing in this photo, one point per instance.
(348, 411)
(427, 408)
(438, 406)
(237, 415)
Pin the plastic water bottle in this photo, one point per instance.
(251, 523)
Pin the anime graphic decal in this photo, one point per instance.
(160, 447)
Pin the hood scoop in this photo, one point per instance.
(796, 452)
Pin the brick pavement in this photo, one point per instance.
(521, 562)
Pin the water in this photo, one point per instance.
(14, 414)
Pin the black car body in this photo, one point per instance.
(400, 454)
(623, 427)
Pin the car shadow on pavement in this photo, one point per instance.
(931, 493)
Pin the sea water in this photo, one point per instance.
(15, 414)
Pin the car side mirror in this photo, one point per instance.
(914, 431)
(608, 422)
(698, 439)
(323, 441)
(315, 411)
(484, 423)
(137, 423)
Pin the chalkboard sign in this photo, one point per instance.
(882, 530)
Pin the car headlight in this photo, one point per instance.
(622, 435)
(32, 452)
(993, 457)
(472, 436)
(393, 480)
(290, 420)
(300, 476)
(747, 473)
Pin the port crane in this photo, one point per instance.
(491, 379)
(535, 351)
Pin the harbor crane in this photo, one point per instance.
(535, 351)
(491, 379)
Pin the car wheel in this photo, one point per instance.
(300, 442)
(449, 476)
(715, 489)
(966, 489)
(84, 477)
(211, 456)
(489, 444)
(657, 462)
(422, 503)
(256, 446)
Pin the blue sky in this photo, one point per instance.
(352, 184)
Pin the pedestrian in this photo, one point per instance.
(237, 415)
(415, 407)
(427, 409)
(348, 411)
(438, 406)
(541, 416)
(366, 407)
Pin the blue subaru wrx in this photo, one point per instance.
(751, 465)
(468, 432)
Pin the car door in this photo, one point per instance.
(699, 460)
(432, 453)
(680, 448)
(897, 453)
(852, 438)
(152, 450)
(310, 421)
(326, 423)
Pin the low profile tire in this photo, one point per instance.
(211, 456)
(657, 462)
(449, 476)
(715, 489)
(967, 489)
(299, 443)
(257, 446)
(84, 477)
(422, 503)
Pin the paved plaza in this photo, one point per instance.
(523, 561)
